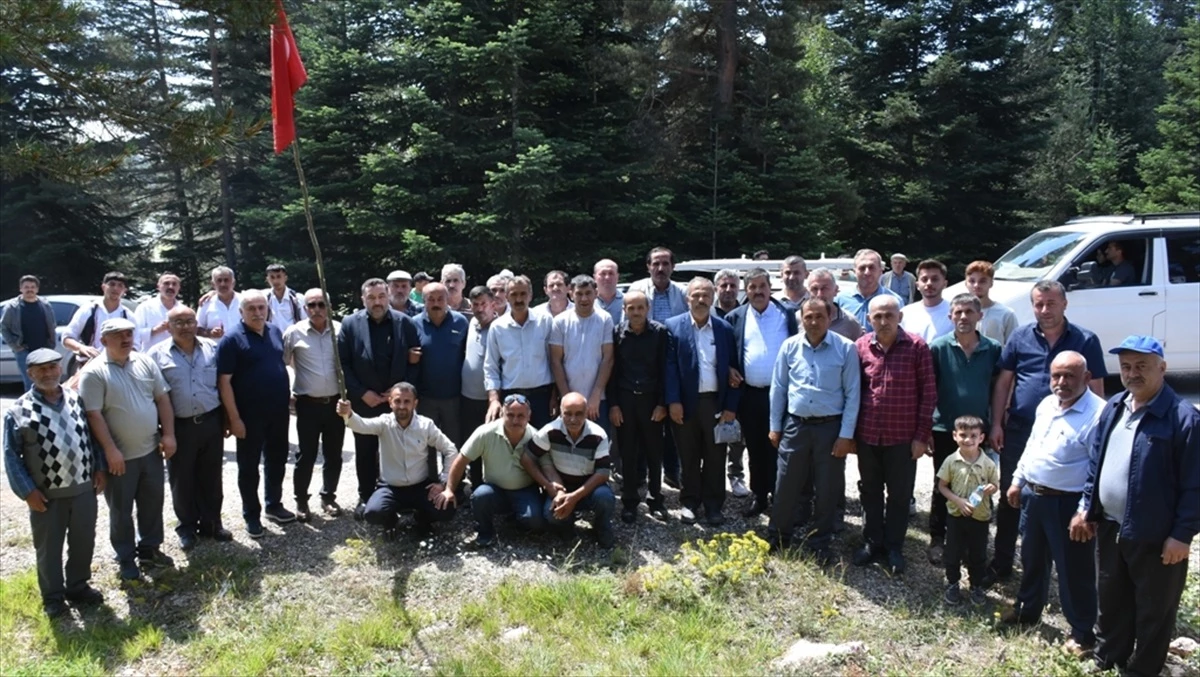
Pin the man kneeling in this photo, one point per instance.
(569, 459)
(408, 479)
(506, 487)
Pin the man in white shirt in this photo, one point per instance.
(223, 308)
(151, 316)
(557, 302)
(929, 318)
(83, 333)
(407, 480)
(285, 307)
(581, 355)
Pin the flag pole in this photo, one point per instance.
(312, 234)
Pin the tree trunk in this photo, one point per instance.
(727, 58)
(222, 167)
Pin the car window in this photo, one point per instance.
(1183, 257)
(1035, 255)
(63, 312)
(1114, 261)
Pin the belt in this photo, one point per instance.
(1041, 490)
(638, 392)
(818, 420)
(318, 400)
(747, 386)
(526, 391)
(199, 418)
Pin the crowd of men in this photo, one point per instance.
(460, 397)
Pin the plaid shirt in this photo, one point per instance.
(899, 392)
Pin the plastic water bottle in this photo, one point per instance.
(976, 497)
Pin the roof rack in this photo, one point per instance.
(1166, 215)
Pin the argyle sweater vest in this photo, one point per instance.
(56, 445)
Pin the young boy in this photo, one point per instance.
(999, 321)
(967, 479)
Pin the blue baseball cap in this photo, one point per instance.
(1139, 344)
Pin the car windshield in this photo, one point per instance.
(1036, 254)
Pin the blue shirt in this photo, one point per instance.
(260, 379)
(859, 306)
(193, 378)
(1028, 355)
(1059, 450)
(663, 305)
(615, 308)
(442, 352)
(821, 381)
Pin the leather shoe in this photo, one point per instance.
(187, 540)
(129, 571)
(222, 535)
(55, 608)
(672, 481)
(896, 564)
(629, 515)
(714, 518)
(331, 507)
(757, 508)
(85, 596)
(865, 555)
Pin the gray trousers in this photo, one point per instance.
(806, 457)
(72, 520)
(141, 486)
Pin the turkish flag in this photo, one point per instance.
(287, 76)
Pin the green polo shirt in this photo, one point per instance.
(964, 384)
(501, 460)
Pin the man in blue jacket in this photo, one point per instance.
(1142, 500)
(379, 347)
(700, 352)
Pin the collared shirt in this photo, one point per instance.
(765, 332)
(124, 395)
(816, 381)
(97, 310)
(582, 340)
(255, 361)
(615, 308)
(192, 378)
(575, 459)
(1028, 355)
(412, 308)
(544, 308)
(706, 354)
(216, 314)
(664, 304)
(311, 354)
(501, 460)
(964, 384)
(472, 369)
(283, 313)
(1059, 450)
(899, 391)
(518, 354)
(404, 452)
(859, 306)
(844, 324)
(1118, 455)
(928, 322)
(964, 477)
(443, 349)
(149, 314)
(638, 359)
(998, 322)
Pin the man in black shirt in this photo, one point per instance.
(638, 411)
(27, 325)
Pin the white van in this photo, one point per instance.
(1162, 298)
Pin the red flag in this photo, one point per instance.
(287, 76)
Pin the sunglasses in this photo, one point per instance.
(516, 398)
(315, 304)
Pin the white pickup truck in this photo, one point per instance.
(1161, 296)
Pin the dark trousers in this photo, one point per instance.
(366, 454)
(754, 414)
(966, 542)
(266, 442)
(142, 487)
(318, 425)
(893, 467)
(472, 413)
(735, 452)
(1008, 518)
(446, 414)
(71, 520)
(1046, 542)
(670, 452)
(539, 404)
(701, 460)
(806, 457)
(943, 446)
(1139, 597)
(195, 472)
(387, 502)
(641, 442)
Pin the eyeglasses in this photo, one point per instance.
(315, 304)
(518, 398)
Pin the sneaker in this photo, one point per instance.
(280, 515)
(896, 564)
(687, 516)
(935, 553)
(978, 596)
(737, 487)
(254, 528)
(952, 596)
(302, 512)
(85, 596)
(129, 571)
(55, 608)
(629, 515)
(330, 507)
(155, 558)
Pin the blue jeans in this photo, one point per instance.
(601, 502)
(20, 356)
(488, 500)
